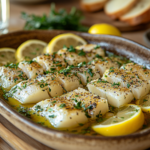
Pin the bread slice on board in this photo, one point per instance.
(92, 5)
(116, 8)
(139, 14)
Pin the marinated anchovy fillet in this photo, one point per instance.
(142, 71)
(71, 109)
(51, 62)
(91, 51)
(86, 73)
(32, 91)
(31, 68)
(11, 75)
(128, 79)
(71, 57)
(116, 95)
(103, 63)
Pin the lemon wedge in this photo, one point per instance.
(66, 39)
(104, 29)
(30, 49)
(128, 119)
(7, 55)
(144, 103)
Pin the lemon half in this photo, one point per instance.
(128, 119)
(66, 39)
(30, 49)
(104, 29)
(7, 55)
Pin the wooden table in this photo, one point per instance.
(16, 23)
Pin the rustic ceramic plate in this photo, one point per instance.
(67, 141)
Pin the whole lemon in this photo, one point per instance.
(104, 29)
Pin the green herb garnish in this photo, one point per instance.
(62, 105)
(81, 53)
(55, 20)
(128, 85)
(90, 72)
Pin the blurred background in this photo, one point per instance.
(35, 14)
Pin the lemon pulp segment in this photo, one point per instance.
(30, 49)
(7, 55)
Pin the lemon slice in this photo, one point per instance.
(7, 55)
(144, 103)
(128, 119)
(66, 39)
(104, 29)
(30, 49)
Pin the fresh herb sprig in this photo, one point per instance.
(61, 20)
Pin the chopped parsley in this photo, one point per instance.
(81, 124)
(53, 102)
(81, 53)
(24, 111)
(145, 100)
(144, 67)
(71, 49)
(74, 99)
(81, 64)
(78, 105)
(101, 81)
(38, 108)
(15, 66)
(115, 84)
(97, 46)
(111, 69)
(128, 85)
(62, 105)
(30, 62)
(50, 109)
(24, 86)
(51, 116)
(90, 72)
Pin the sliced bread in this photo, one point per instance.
(138, 14)
(92, 5)
(116, 8)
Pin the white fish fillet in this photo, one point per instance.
(33, 91)
(142, 71)
(91, 51)
(48, 61)
(71, 58)
(86, 73)
(72, 109)
(117, 96)
(69, 81)
(11, 76)
(103, 64)
(128, 79)
(31, 68)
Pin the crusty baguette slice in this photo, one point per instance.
(116, 8)
(92, 5)
(139, 14)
